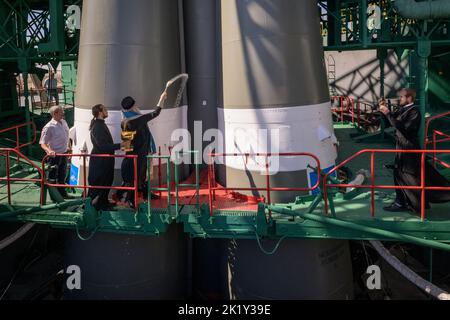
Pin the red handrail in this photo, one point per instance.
(8, 178)
(345, 104)
(349, 104)
(212, 186)
(422, 187)
(17, 127)
(427, 126)
(447, 138)
(86, 187)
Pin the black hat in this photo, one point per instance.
(128, 103)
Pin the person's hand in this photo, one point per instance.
(51, 153)
(163, 96)
(125, 145)
(385, 110)
(382, 102)
(162, 99)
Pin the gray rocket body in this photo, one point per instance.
(275, 94)
(128, 48)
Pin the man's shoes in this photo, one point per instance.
(395, 207)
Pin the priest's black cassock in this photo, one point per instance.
(407, 121)
(101, 170)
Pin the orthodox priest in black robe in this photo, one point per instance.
(407, 168)
(101, 170)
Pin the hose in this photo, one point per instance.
(89, 237)
(16, 235)
(274, 249)
(421, 283)
(362, 228)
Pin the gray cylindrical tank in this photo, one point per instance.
(12, 255)
(299, 269)
(201, 55)
(129, 48)
(274, 79)
(202, 51)
(129, 267)
(275, 93)
(210, 269)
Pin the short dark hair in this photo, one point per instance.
(128, 103)
(409, 92)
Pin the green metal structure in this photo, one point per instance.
(386, 24)
(33, 31)
(305, 217)
(36, 32)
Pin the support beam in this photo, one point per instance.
(423, 52)
(423, 10)
(56, 43)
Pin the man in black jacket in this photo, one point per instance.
(143, 144)
(407, 169)
(101, 170)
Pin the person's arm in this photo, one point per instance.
(100, 140)
(48, 150)
(44, 141)
(144, 119)
(409, 125)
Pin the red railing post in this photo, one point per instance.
(352, 106)
(136, 184)
(269, 200)
(84, 178)
(159, 169)
(372, 172)
(358, 114)
(268, 180)
(213, 177)
(43, 182)
(422, 185)
(434, 148)
(17, 143)
(210, 199)
(8, 177)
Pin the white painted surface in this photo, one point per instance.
(301, 129)
(161, 128)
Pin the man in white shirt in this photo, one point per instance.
(55, 140)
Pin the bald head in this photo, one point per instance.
(57, 113)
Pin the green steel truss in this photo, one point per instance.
(366, 24)
(376, 24)
(37, 31)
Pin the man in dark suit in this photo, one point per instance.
(407, 169)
